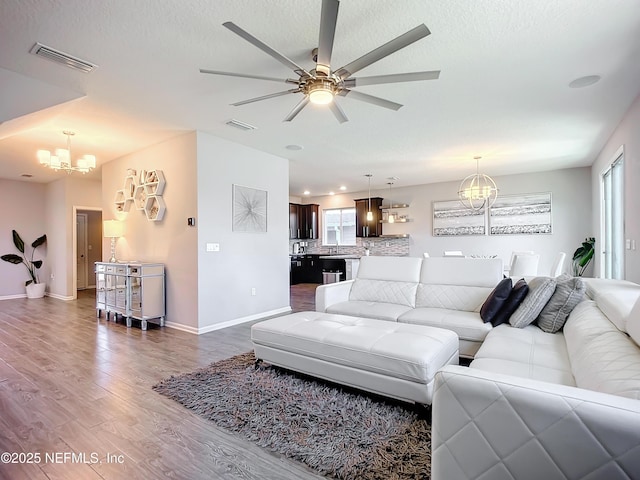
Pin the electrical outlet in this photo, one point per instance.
(52, 276)
(253, 291)
(213, 247)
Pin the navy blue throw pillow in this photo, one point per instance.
(518, 292)
(495, 300)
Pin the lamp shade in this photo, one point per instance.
(113, 228)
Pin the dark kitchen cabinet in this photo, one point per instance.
(306, 269)
(303, 221)
(374, 227)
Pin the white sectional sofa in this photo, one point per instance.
(531, 404)
(540, 405)
(436, 291)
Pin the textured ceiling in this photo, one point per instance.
(502, 94)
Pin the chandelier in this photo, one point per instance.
(478, 190)
(62, 158)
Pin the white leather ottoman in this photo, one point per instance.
(392, 359)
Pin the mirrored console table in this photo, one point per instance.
(131, 290)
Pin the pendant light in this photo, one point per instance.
(391, 216)
(61, 160)
(478, 190)
(369, 212)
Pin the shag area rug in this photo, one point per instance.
(335, 431)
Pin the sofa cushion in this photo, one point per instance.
(633, 323)
(401, 293)
(453, 297)
(399, 269)
(379, 310)
(468, 325)
(472, 272)
(516, 296)
(602, 357)
(540, 291)
(496, 300)
(616, 303)
(525, 352)
(568, 293)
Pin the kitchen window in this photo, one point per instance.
(339, 226)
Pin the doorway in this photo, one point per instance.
(82, 263)
(87, 246)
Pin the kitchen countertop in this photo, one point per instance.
(340, 257)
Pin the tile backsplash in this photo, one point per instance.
(397, 247)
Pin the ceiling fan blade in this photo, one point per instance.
(265, 97)
(328, 19)
(297, 109)
(382, 51)
(338, 112)
(244, 75)
(363, 97)
(266, 48)
(393, 78)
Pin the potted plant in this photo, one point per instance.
(583, 256)
(34, 288)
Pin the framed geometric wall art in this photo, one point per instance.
(451, 217)
(249, 210)
(521, 214)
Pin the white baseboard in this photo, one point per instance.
(13, 297)
(230, 323)
(59, 297)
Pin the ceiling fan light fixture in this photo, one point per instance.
(321, 92)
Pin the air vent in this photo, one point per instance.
(62, 58)
(241, 125)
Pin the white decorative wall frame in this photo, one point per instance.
(451, 217)
(526, 214)
(249, 210)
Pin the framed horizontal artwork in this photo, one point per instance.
(450, 217)
(521, 214)
(249, 209)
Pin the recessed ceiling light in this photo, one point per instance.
(332, 193)
(584, 81)
(295, 148)
(306, 192)
(343, 188)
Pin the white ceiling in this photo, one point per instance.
(503, 92)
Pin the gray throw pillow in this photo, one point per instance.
(569, 292)
(540, 291)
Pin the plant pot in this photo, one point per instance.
(35, 290)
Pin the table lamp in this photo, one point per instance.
(113, 229)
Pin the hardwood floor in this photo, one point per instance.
(72, 384)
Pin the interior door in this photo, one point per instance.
(81, 260)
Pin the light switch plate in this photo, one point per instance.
(213, 247)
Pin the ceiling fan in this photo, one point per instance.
(322, 84)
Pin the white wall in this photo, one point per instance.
(61, 196)
(170, 241)
(245, 260)
(22, 210)
(571, 210)
(626, 134)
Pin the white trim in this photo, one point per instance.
(615, 157)
(60, 297)
(13, 297)
(74, 253)
(230, 323)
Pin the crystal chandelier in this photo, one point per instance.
(478, 190)
(62, 158)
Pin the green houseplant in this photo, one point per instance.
(583, 256)
(31, 264)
